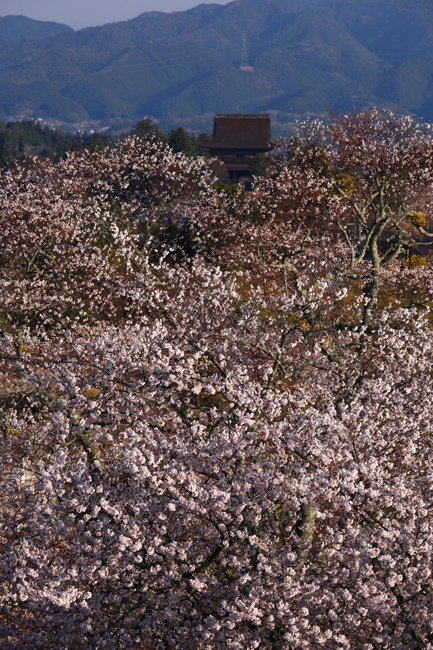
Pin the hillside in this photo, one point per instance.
(14, 29)
(216, 431)
(181, 68)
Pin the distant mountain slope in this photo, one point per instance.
(304, 56)
(17, 28)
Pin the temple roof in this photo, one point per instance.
(243, 131)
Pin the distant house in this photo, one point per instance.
(238, 138)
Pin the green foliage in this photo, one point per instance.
(6, 144)
(260, 165)
(98, 143)
(417, 218)
(415, 261)
(147, 128)
(20, 138)
(345, 183)
(181, 142)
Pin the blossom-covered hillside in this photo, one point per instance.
(216, 407)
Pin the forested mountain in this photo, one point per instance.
(18, 28)
(180, 68)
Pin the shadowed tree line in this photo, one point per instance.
(18, 139)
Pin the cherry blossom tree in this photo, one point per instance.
(230, 457)
(364, 178)
(67, 229)
(75, 237)
(180, 497)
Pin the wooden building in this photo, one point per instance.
(237, 139)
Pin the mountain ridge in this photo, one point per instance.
(181, 68)
(17, 28)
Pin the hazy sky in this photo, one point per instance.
(85, 13)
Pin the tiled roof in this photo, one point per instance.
(241, 132)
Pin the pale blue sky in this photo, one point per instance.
(85, 13)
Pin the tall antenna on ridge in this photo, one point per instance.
(244, 58)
